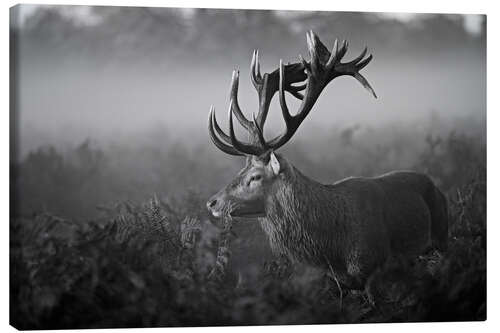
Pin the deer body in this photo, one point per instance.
(356, 224)
(353, 226)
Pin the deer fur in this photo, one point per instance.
(356, 224)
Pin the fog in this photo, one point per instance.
(117, 74)
(112, 166)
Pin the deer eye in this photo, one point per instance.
(254, 178)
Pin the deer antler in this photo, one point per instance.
(323, 67)
(266, 85)
(321, 70)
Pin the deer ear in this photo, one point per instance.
(275, 164)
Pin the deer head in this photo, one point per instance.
(265, 170)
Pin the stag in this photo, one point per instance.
(353, 226)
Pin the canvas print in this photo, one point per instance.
(214, 167)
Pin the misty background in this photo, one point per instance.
(127, 90)
(112, 165)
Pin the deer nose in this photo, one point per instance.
(211, 203)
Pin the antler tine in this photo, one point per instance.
(255, 75)
(219, 144)
(365, 83)
(333, 55)
(284, 108)
(312, 46)
(265, 95)
(365, 62)
(247, 124)
(343, 50)
(260, 133)
(258, 64)
(240, 146)
(294, 90)
(358, 58)
(219, 131)
(260, 84)
(361, 79)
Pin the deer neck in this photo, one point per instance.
(297, 211)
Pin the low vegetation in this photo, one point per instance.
(163, 262)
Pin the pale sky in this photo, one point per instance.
(83, 15)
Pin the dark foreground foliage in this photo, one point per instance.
(163, 263)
